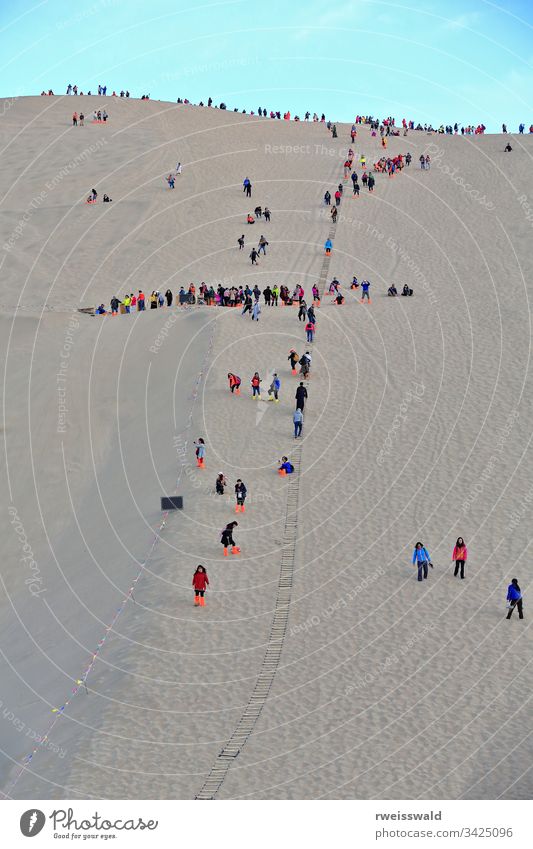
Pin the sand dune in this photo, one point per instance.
(417, 427)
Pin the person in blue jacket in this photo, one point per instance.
(274, 388)
(422, 559)
(328, 246)
(514, 597)
(286, 467)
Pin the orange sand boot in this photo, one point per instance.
(196, 600)
(225, 551)
(202, 601)
(235, 549)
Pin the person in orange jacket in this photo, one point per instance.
(234, 383)
(200, 583)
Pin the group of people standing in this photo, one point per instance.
(99, 116)
(137, 303)
(422, 560)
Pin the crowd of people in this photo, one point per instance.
(277, 294)
(73, 90)
(386, 126)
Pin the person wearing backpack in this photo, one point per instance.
(305, 363)
(293, 359)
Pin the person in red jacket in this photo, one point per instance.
(200, 582)
(234, 383)
(256, 386)
(460, 555)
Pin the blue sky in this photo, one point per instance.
(430, 61)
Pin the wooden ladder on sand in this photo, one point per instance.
(272, 657)
(325, 263)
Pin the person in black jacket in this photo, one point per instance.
(240, 495)
(226, 538)
(301, 395)
(115, 305)
(305, 363)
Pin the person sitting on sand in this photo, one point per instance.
(250, 219)
(392, 292)
(107, 199)
(101, 310)
(286, 467)
(406, 290)
(507, 148)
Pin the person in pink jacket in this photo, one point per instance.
(460, 555)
